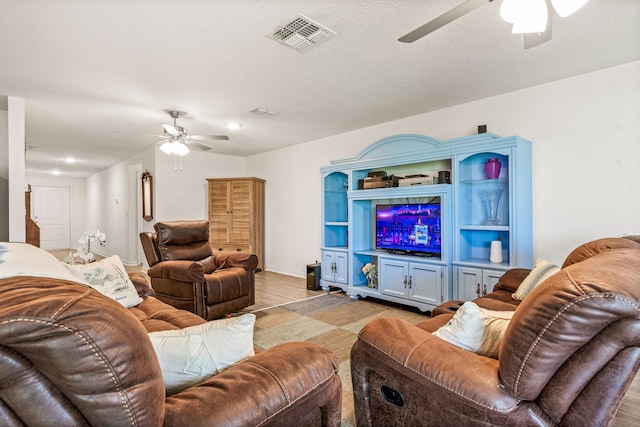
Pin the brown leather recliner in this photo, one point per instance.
(568, 356)
(70, 356)
(186, 274)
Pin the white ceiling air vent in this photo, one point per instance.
(263, 112)
(301, 34)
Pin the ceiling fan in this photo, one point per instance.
(531, 18)
(176, 139)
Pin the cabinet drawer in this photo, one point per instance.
(228, 248)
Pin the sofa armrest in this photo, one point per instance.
(280, 386)
(511, 279)
(142, 283)
(243, 260)
(182, 271)
(447, 371)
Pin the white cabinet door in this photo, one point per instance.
(489, 280)
(340, 259)
(328, 266)
(425, 283)
(469, 286)
(393, 278)
(476, 282)
(416, 281)
(334, 267)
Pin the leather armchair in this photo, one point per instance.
(568, 356)
(70, 356)
(186, 274)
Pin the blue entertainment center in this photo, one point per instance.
(428, 241)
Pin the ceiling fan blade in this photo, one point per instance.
(174, 130)
(209, 137)
(170, 129)
(536, 39)
(198, 145)
(442, 20)
(137, 134)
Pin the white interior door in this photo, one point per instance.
(51, 210)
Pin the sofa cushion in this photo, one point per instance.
(156, 315)
(190, 355)
(476, 329)
(109, 277)
(538, 274)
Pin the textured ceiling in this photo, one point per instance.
(98, 76)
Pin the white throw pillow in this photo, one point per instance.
(189, 356)
(476, 329)
(537, 275)
(109, 277)
(22, 259)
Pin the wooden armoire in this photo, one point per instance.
(236, 216)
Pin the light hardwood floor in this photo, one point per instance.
(275, 289)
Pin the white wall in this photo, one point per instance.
(4, 172)
(182, 194)
(16, 156)
(585, 134)
(113, 195)
(4, 210)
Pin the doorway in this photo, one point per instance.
(51, 210)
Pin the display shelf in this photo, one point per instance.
(473, 227)
(335, 197)
(482, 263)
(475, 244)
(335, 236)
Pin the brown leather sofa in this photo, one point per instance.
(187, 275)
(568, 356)
(70, 356)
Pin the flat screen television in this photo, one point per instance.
(410, 228)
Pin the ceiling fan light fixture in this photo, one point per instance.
(527, 16)
(180, 148)
(509, 11)
(175, 147)
(167, 147)
(565, 8)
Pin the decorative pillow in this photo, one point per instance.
(476, 329)
(109, 277)
(540, 272)
(22, 259)
(190, 355)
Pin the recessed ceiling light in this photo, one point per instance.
(69, 160)
(55, 172)
(234, 126)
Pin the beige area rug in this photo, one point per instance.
(332, 320)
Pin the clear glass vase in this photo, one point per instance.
(490, 200)
(371, 281)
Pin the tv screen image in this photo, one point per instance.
(409, 228)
